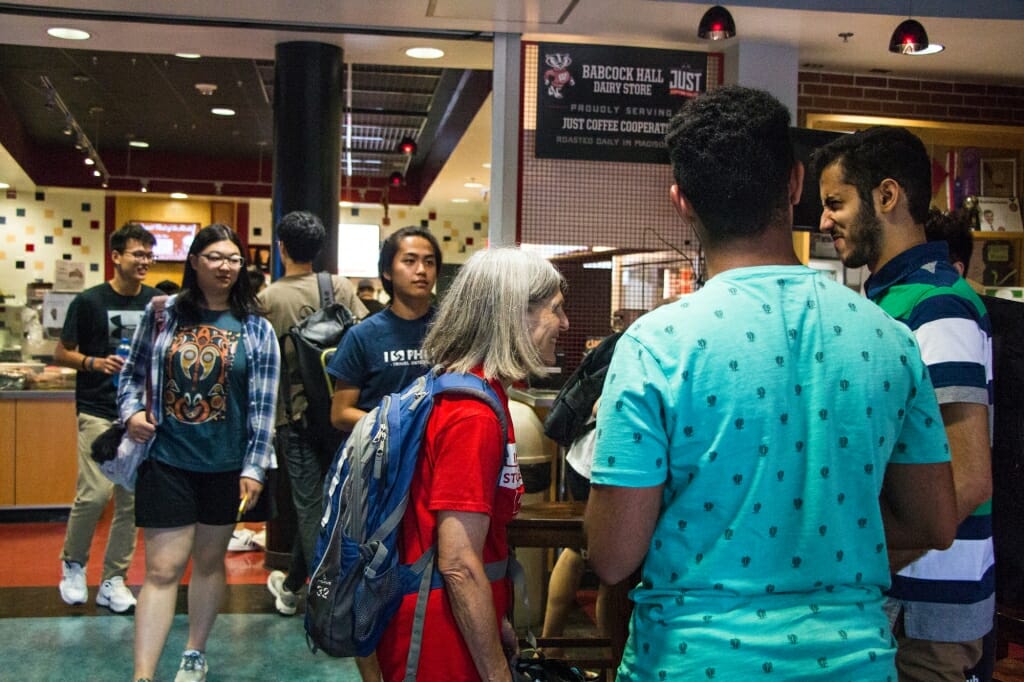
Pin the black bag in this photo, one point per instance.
(532, 666)
(312, 338)
(569, 415)
(104, 448)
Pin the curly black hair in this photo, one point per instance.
(302, 234)
(731, 157)
(870, 156)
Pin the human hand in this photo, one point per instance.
(109, 364)
(140, 429)
(249, 490)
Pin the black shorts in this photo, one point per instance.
(577, 484)
(169, 497)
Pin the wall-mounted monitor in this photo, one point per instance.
(807, 214)
(173, 240)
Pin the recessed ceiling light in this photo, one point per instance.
(933, 48)
(179, 195)
(424, 53)
(138, 144)
(97, 173)
(473, 185)
(187, 55)
(68, 33)
(460, 201)
(4, 185)
(487, 165)
(222, 111)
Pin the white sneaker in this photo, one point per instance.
(72, 583)
(285, 600)
(193, 667)
(115, 595)
(241, 541)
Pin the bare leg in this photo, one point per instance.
(562, 586)
(206, 586)
(167, 553)
(369, 669)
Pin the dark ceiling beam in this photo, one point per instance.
(465, 92)
(85, 14)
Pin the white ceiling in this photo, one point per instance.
(979, 47)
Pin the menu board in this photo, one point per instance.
(607, 103)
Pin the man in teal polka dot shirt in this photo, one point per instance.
(762, 442)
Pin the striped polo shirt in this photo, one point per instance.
(946, 595)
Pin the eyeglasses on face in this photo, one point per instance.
(217, 259)
(140, 255)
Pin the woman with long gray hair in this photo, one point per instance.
(499, 320)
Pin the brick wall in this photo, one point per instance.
(871, 95)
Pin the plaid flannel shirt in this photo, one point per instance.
(263, 359)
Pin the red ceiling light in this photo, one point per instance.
(716, 24)
(908, 38)
(396, 179)
(407, 146)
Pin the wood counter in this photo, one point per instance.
(38, 448)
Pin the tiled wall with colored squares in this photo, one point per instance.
(39, 228)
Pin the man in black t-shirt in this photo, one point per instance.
(98, 319)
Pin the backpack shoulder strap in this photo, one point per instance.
(472, 385)
(326, 287)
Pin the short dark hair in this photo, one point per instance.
(302, 234)
(731, 158)
(870, 156)
(168, 286)
(242, 297)
(119, 237)
(390, 247)
(955, 230)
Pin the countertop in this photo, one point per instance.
(56, 394)
(534, 397)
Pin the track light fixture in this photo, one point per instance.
(71, 128)
(908, 38)
(407, 146)
(716, 24)
(396, 179)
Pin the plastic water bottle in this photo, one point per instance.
(123, 349)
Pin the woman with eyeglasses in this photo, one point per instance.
(212, 371)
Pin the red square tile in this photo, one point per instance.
(76, 241)
(30, 247)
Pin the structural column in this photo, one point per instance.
(307, 138)
(770, 67)
(505, 139)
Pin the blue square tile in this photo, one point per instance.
(48, 239)
(94, 267)
(424, 223)
(3, 220)
(86, 207)
(20, 212)
(478, 226)
(355, 211)
(40, 196)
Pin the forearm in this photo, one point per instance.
(470, 595)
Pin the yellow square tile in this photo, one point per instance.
(30, 229)
(48, 213)
(58, 232)
(38, 265)
(11, 239)
(85, 250)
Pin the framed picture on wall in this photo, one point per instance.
(998, 214)
(999, 177)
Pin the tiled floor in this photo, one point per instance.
(43, 639)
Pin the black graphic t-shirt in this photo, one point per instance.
(205, 399)
(97, 320)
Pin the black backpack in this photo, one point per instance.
(569, 416)
(313, 339)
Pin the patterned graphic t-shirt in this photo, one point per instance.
(204, 396)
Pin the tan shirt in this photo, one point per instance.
(289, 300)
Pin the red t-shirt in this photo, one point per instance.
(461, 468)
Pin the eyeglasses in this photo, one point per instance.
(217, 259)
(142, 255)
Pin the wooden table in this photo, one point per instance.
(548, 524)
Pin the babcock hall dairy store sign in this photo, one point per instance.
(612, 103)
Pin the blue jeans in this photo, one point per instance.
(306, 473)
